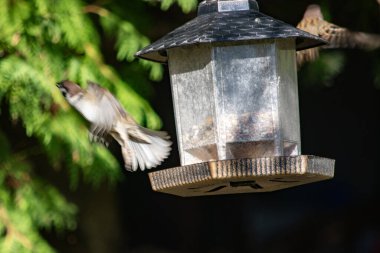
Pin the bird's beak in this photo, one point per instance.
(59, 85)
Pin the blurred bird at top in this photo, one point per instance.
(336, 36)
(141, 147)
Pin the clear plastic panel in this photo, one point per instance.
(193, 95)
(235, 101)
(288, 97)
(247, 99)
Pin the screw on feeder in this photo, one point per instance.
(234, 85)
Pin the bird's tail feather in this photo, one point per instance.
(146, 155)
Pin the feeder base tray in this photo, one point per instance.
(242, 175)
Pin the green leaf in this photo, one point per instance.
(186, 5)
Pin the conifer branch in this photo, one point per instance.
(12, 233)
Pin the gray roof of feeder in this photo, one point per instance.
(215, 26)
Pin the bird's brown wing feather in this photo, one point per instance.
(340, 37)
(366, 40)
(111, 110)
(310, 26)
(106, 99)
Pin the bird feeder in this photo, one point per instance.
(234, 85)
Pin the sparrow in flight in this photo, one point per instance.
(338, 37)
(140, 146)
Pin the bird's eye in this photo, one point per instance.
(63, 91)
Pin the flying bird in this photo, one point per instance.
(141, 147)
(337, 37)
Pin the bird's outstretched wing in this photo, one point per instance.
(337, 36)
(340, 37)
(311, 26)
(107, 100)
(108, 111)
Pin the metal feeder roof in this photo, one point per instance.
(213, 25)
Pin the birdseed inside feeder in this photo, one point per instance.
(234, 85)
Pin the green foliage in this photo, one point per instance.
(128, 39)
(186, 5)
(42, 42)
(28, 203)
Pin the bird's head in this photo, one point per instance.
(69, 89)
(313, 11)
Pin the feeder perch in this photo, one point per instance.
(234, 85)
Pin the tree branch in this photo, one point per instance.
(96, 10)
(12, 234)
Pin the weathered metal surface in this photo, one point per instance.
(242, 175)
(219, 24)
(233, 5)
(210, 6)
(235, 101)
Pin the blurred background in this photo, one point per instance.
(60, 193)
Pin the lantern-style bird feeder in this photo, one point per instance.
(234, 84)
